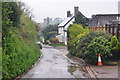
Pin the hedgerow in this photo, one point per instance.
(17, 56)
(19, 51)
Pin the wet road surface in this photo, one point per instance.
(55, 64)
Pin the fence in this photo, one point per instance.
(113, 29)
(97, 28)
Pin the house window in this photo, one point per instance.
(118, 18)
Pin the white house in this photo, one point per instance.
(63, 26)
(62, 29)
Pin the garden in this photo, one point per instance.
(87, 44)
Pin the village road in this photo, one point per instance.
(55, 64)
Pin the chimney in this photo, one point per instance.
(68, 14)
(76, 10)
(93, 15)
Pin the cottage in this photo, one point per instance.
(63, 26)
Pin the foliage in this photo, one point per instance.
(16, 58)
(56, 45)
(97, 45)
(6, 23)
(85, 40)
(0, 17)
(81, 19)
(54, 40)
(11, 12)
(50, 32)
(19, 50)
(75, 32)
(115, 44)
(0, 63)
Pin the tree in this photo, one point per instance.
(50, 32)
(81, 19)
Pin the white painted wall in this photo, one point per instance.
(62, 34)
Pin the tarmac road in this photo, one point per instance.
(55, 64)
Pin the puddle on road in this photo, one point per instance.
(72, 69)
(55, 57)
(48, 60)
(77, 70)
(76, 67)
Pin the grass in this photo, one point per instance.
(56, 45)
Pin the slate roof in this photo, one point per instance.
(104, 15)
(66, 21)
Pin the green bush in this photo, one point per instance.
(97, 45)
(17, 56)
(19, 51)
(50, 32)
(85, 40)
(75, 32)
(115, 44)
(54, 40)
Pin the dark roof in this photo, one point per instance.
(66, 21)
(104, 15)
(107, 15)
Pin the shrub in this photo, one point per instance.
(115, 44)
(97, 45)
(54, 40)
(75, 32)
(18, 56)
(85, 40)
(19, 51)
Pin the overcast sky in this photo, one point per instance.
(58, 8)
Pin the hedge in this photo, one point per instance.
(18, 56)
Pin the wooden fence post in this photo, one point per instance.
(113, 29)
(106, 27)
(118, 34)
(109, 29)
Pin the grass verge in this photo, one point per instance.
(56, 45)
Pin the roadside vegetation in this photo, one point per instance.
(0, 63)
(49, 35)
(87, 44)
(19, 51)
(55, 45)
(50, 32)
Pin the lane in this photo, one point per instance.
(55, 64)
